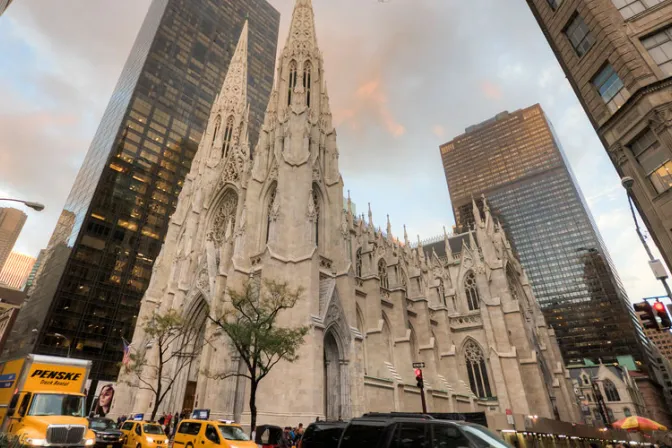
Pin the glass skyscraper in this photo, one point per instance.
(99, 261)
(515, 160)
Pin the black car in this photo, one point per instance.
(107, 433)
(322, 435)
(416, 431)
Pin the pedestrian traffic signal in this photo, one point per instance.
(418, 378)
(646, 315)
(661, 311)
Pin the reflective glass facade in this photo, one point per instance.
(95, 271)
(517, 163)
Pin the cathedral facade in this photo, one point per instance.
(375, 304)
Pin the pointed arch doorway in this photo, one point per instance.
(333, 408)
(196, 316)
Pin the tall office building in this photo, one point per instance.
(16, 270)
(11, 223)
(617, 55)
(515, 160)
(4, 4)
(88, 289)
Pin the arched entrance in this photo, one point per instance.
(196, 317)
(332, 377)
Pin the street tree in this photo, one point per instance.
(171, 345)
(250, 321)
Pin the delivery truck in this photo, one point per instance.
(43, 401)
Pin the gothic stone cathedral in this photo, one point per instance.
(461, 304)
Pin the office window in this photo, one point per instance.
(554, 4)
(629, 8)
(654, 160)
(579, 35)
(610, 87)
(659, 46)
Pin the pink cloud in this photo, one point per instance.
(491, 90)
(439, 131)
(370, 101)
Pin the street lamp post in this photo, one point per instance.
(59, 335)
(656, 265)
(34, 205)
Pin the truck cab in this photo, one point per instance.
(47, 406)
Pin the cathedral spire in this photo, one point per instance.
(302, 37)
(234, 89)
(477, 214)
(389, 229)
(446, 243)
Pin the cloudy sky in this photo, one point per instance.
(404, 76)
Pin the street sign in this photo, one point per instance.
(418, 365)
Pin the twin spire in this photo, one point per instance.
(234, 89)
(302, 37)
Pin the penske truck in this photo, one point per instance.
(43, 401)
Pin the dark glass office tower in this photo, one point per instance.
(88, 291)
(516, 161)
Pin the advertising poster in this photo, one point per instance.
(102, 400)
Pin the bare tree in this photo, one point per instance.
(158, 365)
(250, 322)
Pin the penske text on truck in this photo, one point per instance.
(43, 401)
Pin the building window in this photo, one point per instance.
(554, 4)
(654, 160)
(610, 391)
(629, 8)
(627, 412)
(218, 123)
(358, 263)
(585, 380)
(382, 274)
(228, 134)
(471, 291)
(316, 223)
(292, 82)
(579, 35)
(610, 87)
(659, 46)
(269, 210)
(307, 71)
(477, 370)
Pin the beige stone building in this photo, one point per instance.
(617, 55)
(608, 393)
(460, 304)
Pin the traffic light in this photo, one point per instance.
(661, 311)
(418, 378)
(647, 315)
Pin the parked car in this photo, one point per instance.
(416, 431)
(139, 434)
(268, 436)
(211, 434)
(107, 433)
(322, 435)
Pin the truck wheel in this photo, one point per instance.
(138, 446)
(189, 445)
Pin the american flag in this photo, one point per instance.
(127, 352)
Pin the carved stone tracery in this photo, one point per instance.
(225, 217)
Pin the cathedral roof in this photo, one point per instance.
(437, 244)
(576, 371)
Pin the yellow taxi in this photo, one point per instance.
(142, 434)
(211, 434)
